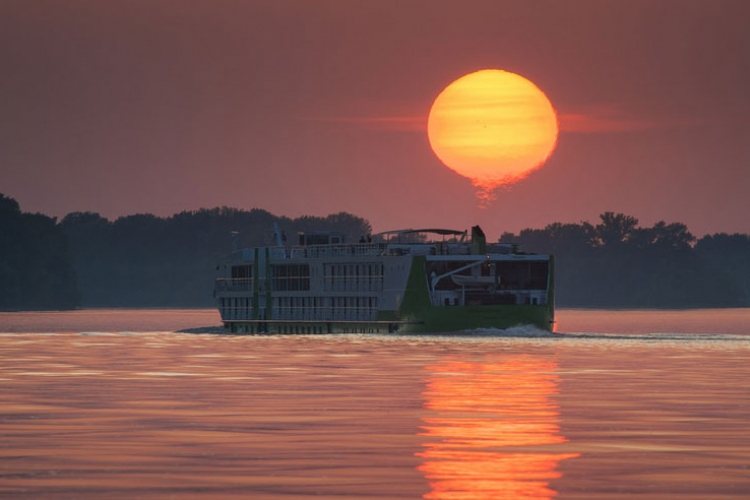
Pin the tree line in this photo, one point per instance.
(147, 261)
(618, 264)
(36, 265)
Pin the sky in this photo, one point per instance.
(312, 107)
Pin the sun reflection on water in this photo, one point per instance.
(493, 429)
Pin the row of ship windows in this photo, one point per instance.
(367, 277)
(236, 308)
(307, 308)
(325, 308)
(290, 277)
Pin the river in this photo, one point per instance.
(118, 404)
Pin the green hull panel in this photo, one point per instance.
(450, 319)
(422, 316)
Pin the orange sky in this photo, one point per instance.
(318, 106)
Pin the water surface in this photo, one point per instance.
(113, 404)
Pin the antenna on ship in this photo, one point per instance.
(277, 235)
(235, 245)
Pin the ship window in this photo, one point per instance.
(239, 272)
(524, 275)
(290, 277)
(353, 277)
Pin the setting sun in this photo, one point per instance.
(494, 127)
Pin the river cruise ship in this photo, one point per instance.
(410, 281)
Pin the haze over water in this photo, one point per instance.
(113, 404)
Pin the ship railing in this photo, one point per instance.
(457, 296)
(343, 313)
(357, 250)
(447, 298)
(338, 283)
(228, 285)
(303, 313)
(236, 313)
(277, 253)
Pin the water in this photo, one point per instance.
(112, 404)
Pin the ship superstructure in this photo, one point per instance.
(409, 281)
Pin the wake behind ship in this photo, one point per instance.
(410, 281)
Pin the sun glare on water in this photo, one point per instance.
(494, 127)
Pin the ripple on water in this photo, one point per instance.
(154, 415)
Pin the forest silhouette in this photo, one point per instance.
(36, 266)
(617, 264)
(142, 260)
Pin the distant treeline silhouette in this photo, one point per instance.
(36, 268)
(148, 261)
(617, 264)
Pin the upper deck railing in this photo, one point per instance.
(391, 248)
(356, 250)
(228, 285)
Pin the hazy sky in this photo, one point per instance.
(314, 107)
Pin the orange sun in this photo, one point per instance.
(494, 127)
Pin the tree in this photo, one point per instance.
(147, 261)
(615, 229)
(618, 264)
(36, 269)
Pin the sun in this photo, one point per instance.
(494, 127)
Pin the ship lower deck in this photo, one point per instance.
(312, 327)
(429, 320)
